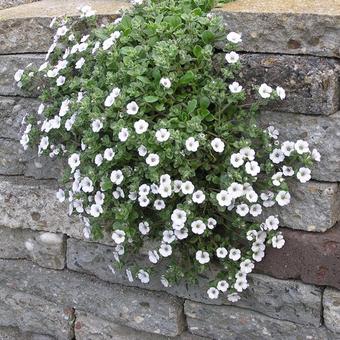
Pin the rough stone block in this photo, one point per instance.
(331, 312)
(9, 64)
(321, 132)
(46, 249)
(228, 322)
(314, 206)
(310, 257)
(31, 204)
(287, 300)
(153, 312)
(33, 314)
(13, 3)
(311, 83)
(12, 158)
(286, 27)
(13, 333)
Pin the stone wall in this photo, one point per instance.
(56, 285)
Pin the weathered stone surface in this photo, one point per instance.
(13, 333)
(12, 158)
(310, 257)
(31, 313)
(153, 312)
(288, 300)
(27, 203)
(314, 206)
(9, 64)
(26, 28)
(12, 112)
(46, 249)
(320, 132)
(286, 27)
(311, 83)
(228, 322)
(331, 312)
(13, 3)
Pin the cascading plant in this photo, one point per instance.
(164, 151)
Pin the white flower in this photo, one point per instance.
(162, 135)
(251, 196)
(166, 82)
(86, 184)
(86, 11)
(143, 201)
(61, 31)
(235, 87)
(303, 175)
(258, 255)
(143, 276)
(218, 145)
(165, 179)
(165, 250)
(191, 144)
(198, 227)
(235, 190)
(198, 197)
(301, 147)
(123, 134)
(132, 108)
(182, 233)
(277, 179)
(61, 81)
(272, 132)
(221, 252)
(137, 2)
(234, 37)
(277, 156)
(109, 154)
(242, 209)
(202, 257)
(240, 285)
(234, 254)
(212, 293)
(118, 236)
(232, 57)
(281, 92)
(152, 159)
(144, 189)
(316, 155)
(168, 236)
(24, 141)
(187, 188)
(60, 195)
(177, 186)
(44, 142)
(96, 125)
(224, 198)
(287, 147)
(98, 160)
(287, 171)
(159, 204)
(165, 190)
(236, 160)
(246, 266)
(252, 168)
(96, 210)
(271, 223)
(99, 198)
(153, 256)
(247, 152)
(179, 217)
(52, 73)
(64, 107)
(265, 91)
(144, 228)
(117, 177)
(142, 151)
(80, 63)
(222, 286)
(18, 75)
(278, 241)
(283, 198)
(255, 210)
(234, 297)
(211, 223)
(74, 161)
(107, 43)
(110, 99)
(141, 126)
(164, 281)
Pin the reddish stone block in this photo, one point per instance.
(310, 257)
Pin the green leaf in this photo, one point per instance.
(192, 105)
(208, 37)
(204, 102)
(197, 51)
(151, 99)
(187, 78)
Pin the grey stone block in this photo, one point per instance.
(30, 204)
(320, 132)
(46, 249)
(31, 313)
(153, 312)
(228, 322)
(13, 3)
(331, 313)
(13, 333)
(286, 27)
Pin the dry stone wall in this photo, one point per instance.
(56, 285)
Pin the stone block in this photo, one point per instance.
(30, 204)
(13, 3)
(319, 131)
(12, 158)
(153, 312)
(46, 249)
(31, 313)
(228, 322)
(286, 27)
(13, 333)
(311, 257)
(331, 311)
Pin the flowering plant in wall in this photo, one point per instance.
(160, 146)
